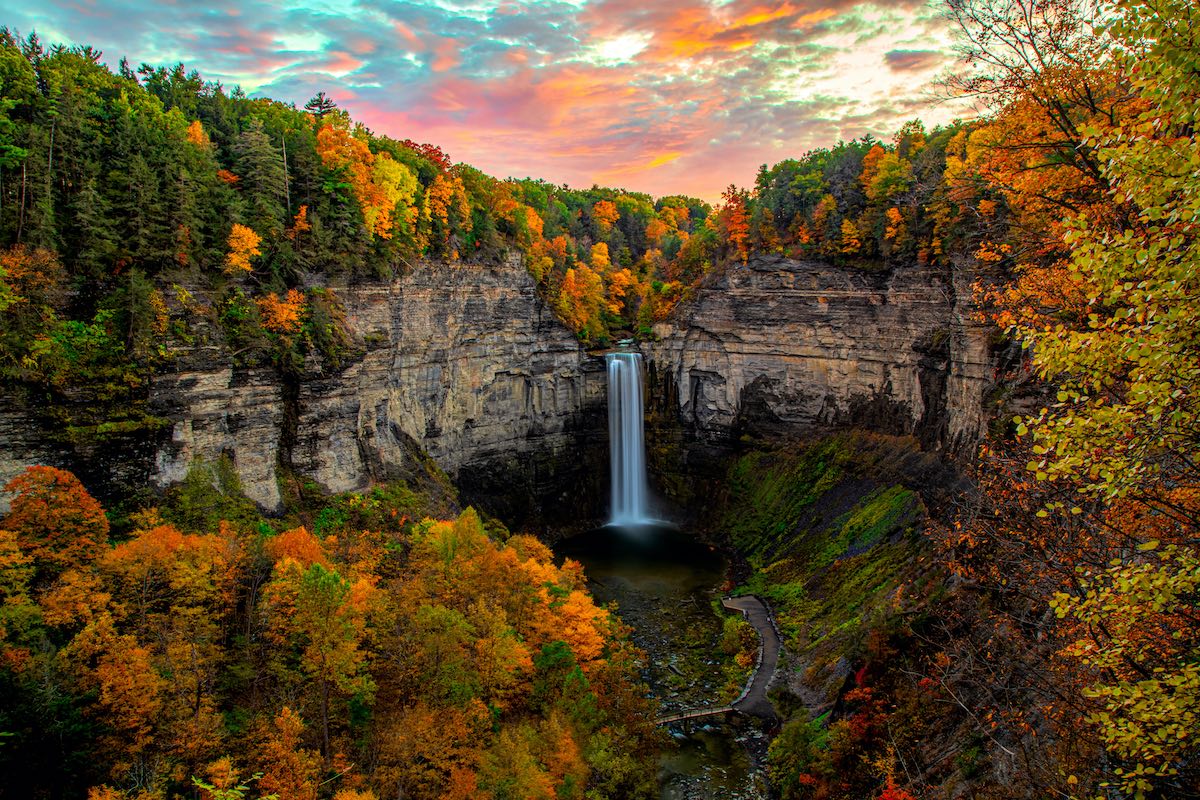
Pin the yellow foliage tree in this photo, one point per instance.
(894, 230)
(600, 259)
(619, 283)
(606, 215)
(378, 182)
(243, 246)
(290, 772)
(197, 136)
(851, 238)
(656, 229)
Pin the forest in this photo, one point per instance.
(395, 643)
(210, 648)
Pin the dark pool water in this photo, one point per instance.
(665, 582)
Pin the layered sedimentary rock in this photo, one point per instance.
(463, 363)
(782, 347)
(469, 365)
(218, 410)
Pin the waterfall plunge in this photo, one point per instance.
(625, 438)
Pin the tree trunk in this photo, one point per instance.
(287, 189)
(21, 215)
(325, 718)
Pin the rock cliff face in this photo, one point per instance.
(782, 347)
(467, 366)
(462, 362)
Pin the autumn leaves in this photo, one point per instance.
(428, 658)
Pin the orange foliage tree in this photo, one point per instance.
(482, 665)
(735, 221)
(57, 523)
(291, 771)
(380, 184)
(605, 214)
(284, 315)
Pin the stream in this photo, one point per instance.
(665, 583)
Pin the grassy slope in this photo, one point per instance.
(833, 534)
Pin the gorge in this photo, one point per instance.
(465, 368)
(466, 364)
(309, 433)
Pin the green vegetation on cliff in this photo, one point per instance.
(833, 530)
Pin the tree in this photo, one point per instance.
(197, 136)
(581, 300)
(263, 177)
(290, 771)
(599, 260)
(445, 655)
(378, 182)
(319, 106)
(243, 245)
(851, 238)
(1124, 429)
(620, 282)
(606, 215)
(425, 749)
(1042, 66)
(449, 208)
(128, 688)
(18, 614)
(891, 176)
(57, 523)
(1111, 491)
(735, 221)
(282, 315)
(92, 240)
(323, 614)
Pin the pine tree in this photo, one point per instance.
(136, 194)
(319, 106)
(92, 240)
(260, 168)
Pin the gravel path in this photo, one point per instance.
(754, 701)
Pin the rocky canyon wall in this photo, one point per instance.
(780, 347)
(467, 366)
(461, 362)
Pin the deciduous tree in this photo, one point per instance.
(57, 523)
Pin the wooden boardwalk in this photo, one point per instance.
(695, 713)
(753, 699)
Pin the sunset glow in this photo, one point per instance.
(681, 96)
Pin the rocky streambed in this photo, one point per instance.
(666, 586)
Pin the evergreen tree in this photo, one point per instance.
(320, 105)
(136, 203)
(260, 168)
(91, 239)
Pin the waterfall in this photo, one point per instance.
(626, 445)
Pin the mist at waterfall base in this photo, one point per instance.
(626, 441)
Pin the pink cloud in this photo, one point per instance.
(445, 55)
(407, 34)
(666, 96)
(340, 61)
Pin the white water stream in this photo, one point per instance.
(626, 440)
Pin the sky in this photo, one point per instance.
(660, 96)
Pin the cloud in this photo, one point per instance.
(671, 96)
(914, 60)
